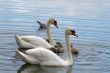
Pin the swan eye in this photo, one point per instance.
(73, 32)
(55, 23)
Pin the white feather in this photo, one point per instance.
(32, 42)
(41, 56)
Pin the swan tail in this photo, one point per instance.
(20, 53)
(23, 44)
(42, 25)
(23, 56)
(39, 23)
(18, 40)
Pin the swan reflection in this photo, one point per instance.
(26, 68)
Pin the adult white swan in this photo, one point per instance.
(46, 57)
(58, 47)
(34, 41)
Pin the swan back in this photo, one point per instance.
(31, 42)
(23, 44)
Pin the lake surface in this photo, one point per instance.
(90, 19)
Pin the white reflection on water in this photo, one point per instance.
(43, 69)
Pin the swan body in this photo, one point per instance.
(58, 48)
(42, 25)
(34, 41)
(31, 42)
(74, 50)
(43, 56)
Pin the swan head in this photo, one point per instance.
(52, 21)
(70, 31)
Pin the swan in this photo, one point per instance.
(74, 50)
(46, 57)
(42, 25)
(58, 48)
(34, 41)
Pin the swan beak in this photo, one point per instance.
(56, 25)
(75, 35)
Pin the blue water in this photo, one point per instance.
(90, 19)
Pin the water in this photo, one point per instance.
(90, 19)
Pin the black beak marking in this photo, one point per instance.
(74, 33)
(55, 23)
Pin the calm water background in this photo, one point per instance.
(90, 18)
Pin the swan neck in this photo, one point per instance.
(69, 54)
(49, 35)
